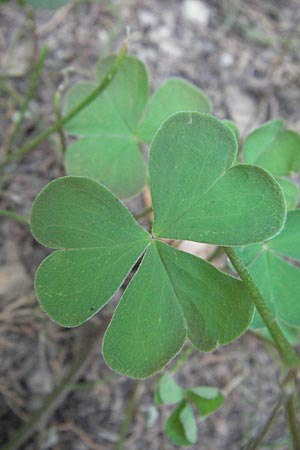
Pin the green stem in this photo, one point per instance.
(288, 354)
(293, 420)
(60, 131)
(13, 215)
(255, 443)
(32, 85)
(128, 416)
(92, 96)
(181, 359)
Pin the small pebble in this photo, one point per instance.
(226, 59)
(197, 12)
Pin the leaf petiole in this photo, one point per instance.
(288, 354)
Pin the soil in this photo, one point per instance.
(245, 56)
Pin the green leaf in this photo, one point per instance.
(117, 163)
(181, 426)
(99, 242)
(147, 328)
(169, 391)
(288, 242)
(173, 295)
(291, 192)
(274, 267)
(196, 193)
(206, 399)
(110, 151)
(172, 96)
(274, 148)
(129, 90)
(117, 111)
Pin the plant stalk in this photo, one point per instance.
(293, 420)
(13, 215)
(60, 131)
(255, 442)
(128, 416)
(112, 71)
(288, 354)
(182, 358)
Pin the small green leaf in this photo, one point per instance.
(99, 242)
(169, 391)
(116, 162)
(273, 148)
(181, 426)
(110, 151)
(147, 328)
(274, 267)
(215, 306)
(117, 111)
(129, 91)
(288, 242)
(291, 192)
(172, 295)
(207, 399)
(196, 193)
(172, 96)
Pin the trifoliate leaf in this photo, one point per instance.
(173, 295)
(196, 193)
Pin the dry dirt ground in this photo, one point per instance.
(245, 55)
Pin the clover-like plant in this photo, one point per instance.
(197, 195)
(112, 127)
(277, 150)
(181, 425)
